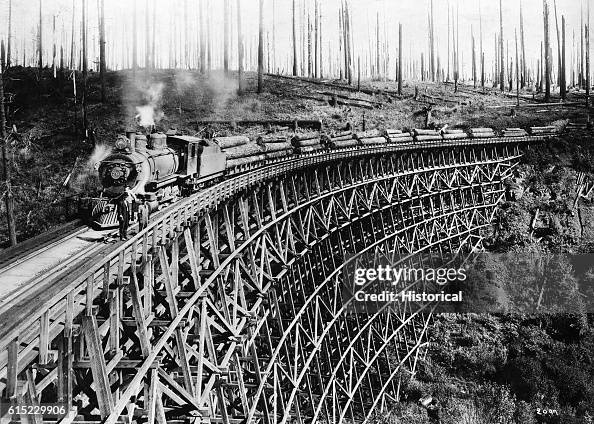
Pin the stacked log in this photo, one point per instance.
(244, 151)
(307, 142)
(543, 130)
(454, 134)
(398, 136)
(371, 138)
(576, 126)
(239, 150)
(514, 132)
(426, 135)
(233, 141)
(482, 133)
(275, 146)
(341, 140)
(234, 163)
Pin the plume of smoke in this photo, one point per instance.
(85, 177)
(150, 113)
(220, 91)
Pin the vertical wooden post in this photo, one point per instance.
(12, 369)
(98, 366)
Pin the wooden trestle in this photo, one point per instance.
(227, 309)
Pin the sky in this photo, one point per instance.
(411, 13)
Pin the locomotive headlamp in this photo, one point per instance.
(116, 173)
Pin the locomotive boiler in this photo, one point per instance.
(159, 169)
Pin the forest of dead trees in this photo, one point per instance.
(188, 37)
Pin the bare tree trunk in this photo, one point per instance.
(135, 39)
(72, 34)
(523, 47)
(448, 37)
(473, 59)
(9, 46)
(226, 38)
(432, 45)
(316, 42)
(562, 71)
(558, 46)
(349, 45)
(154, 39)
(581, 48)
(321, 38)
(502, 70)
(400, 59)
(84, 67)
(261, 47)
(102, 67)
(517, 71)
(203, 37)
(240, 49)
(40, 38)
(209, 36)
(8, 197)
(481, 47)
(274, 70)
(294, 38)
(541, 69)
(588, 82)
(377, 47)
(310, 60)
(547, 65)
(147, 32)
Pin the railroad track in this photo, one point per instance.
(12, 255)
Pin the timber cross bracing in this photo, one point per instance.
(229, 308)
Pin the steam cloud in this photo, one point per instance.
(150, 113)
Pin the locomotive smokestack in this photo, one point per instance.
(132, 137)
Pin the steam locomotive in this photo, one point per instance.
(160, 168)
